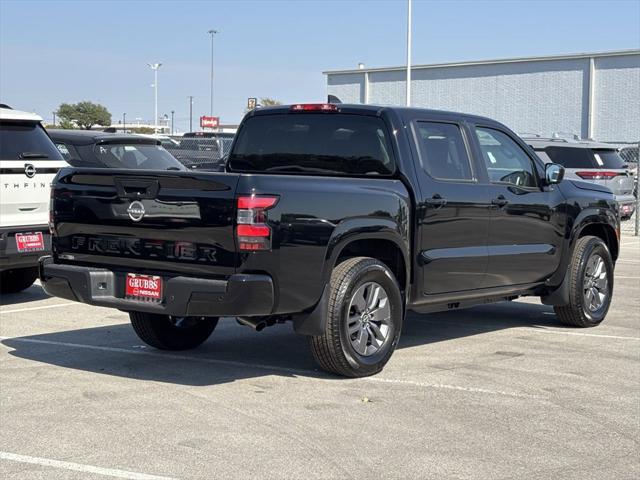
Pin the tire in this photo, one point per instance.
(362, 352)
(580, 312)
(172, 333)
(13, 281)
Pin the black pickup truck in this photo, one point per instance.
(338, 218)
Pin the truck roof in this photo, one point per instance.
(18, 115)
(405, 112)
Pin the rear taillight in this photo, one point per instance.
(252, 231)
(51, 220)
(597, 175)
(314, 107)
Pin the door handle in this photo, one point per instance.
(500, 201)
(436, 201)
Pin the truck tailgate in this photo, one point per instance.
(142, 221)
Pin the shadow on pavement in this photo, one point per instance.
(235, 352)
(31, 294)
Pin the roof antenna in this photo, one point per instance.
(333, 99)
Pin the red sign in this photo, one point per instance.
(29, 242)
(144, 287)
(209, 122)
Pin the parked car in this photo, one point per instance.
(339, 219)
(204, 150)
(592, 162)
(630, 155)
(28, 163)
(95, 149)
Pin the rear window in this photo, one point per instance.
(608, 159)
(148, 157)
(307, 143)
(26, 141)
(570, 157)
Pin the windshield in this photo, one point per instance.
(313, 144)
(139, 156)
(26, 141)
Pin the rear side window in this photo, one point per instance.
(443, 151)
(26, 141)
(320, 144)
(570, 157)
(608, 159)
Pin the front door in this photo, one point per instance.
(452, 212)
(526, 229)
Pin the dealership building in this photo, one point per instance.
(592, 95)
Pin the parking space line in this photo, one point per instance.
(272, 368)
(44, 307)
(78, 467)
(560, 332)
(626, 277)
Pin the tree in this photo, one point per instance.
(84, 114)
(269, 102)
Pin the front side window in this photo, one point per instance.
(443, 151)
(313, 143)
(506, 161)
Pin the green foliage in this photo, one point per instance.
(268, 102)
(84, 115)
(140, 129)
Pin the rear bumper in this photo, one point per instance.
(239, 295)
(10, 258)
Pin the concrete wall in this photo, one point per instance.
(531, 96)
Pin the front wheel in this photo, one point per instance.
(591, 284)
(166, 332)
(364, 319)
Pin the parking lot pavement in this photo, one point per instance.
(498, 391)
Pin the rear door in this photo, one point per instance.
(452, 210)
(527, 223)
(28, 163)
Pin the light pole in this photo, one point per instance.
(172, 112)
(124, 123)
(155, 67)
(190, 97)
(54, 118)
(408, 94)
(212, 33)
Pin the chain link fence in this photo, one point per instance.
(205, 151)
(630, 154)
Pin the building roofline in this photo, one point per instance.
(575, 56)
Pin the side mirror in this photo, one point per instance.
(554, 173)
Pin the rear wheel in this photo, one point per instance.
(13, 281)
(166, 332)
(591, 284)
(364, 319)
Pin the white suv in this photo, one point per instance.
(28, 162)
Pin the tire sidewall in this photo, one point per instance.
(378, 273)
(595, 246)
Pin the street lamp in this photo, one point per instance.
(124, 123)
(155, 67)
(172, 112)
(408, 94)
(212, 33)
(190, 97)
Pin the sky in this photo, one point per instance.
(68, 51)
